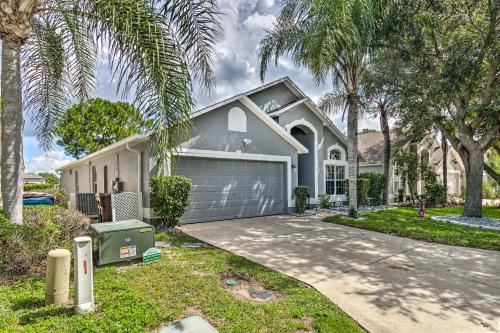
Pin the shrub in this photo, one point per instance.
(363, 188)
(489, 190)
(37, 187)
(24, 247)
(435, 195)
(301, 193)
(170, 198)
(324, 201)
(59, 195)
(375, 187)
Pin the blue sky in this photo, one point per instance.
(235, 65)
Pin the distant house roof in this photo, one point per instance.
(437, 156)
(32, 175)
(371, 145)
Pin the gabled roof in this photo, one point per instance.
(136, 138)
(254, 108)
(243, 98)
(302, 98)
(32, 175)
(371, 145)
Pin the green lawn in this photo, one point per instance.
(185, 282)
(405, 223)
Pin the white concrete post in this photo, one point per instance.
(84, 286)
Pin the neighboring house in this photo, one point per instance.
(371, 146)
(33, 178)
(245, 155)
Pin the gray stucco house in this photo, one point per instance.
(245, 155)
(371, 145)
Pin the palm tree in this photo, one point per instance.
(376, 100)
(50, 53)
(328, 37)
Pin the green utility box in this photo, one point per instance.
(121, 240)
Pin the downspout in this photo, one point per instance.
(139, 176)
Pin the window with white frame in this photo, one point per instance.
(334, 179)
(335, 154)
(236, 120)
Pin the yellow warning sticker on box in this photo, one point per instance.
(146, 230)
(128, 251)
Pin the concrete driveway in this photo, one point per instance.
(386, 283)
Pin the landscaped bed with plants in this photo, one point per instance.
(403, 221)
(184, 282)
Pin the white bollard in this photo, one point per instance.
(84, 285)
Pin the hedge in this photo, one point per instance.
(301, 193)
(37, 187)
(370, 185)
(376, 187)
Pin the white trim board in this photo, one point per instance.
(273, 125)
(343, 154)
(286, 108)
(136, 138)
(316, 149)
(237, 97)
(244, 156)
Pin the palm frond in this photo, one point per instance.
(335, 37)
(45, 90)
(196, 23)
(285, 37)
(155, 48)
(146, 55)
(81, 52)
(333, 102)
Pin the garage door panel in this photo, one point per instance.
(227, 189)
(236, 203)
(229, 212)
(218, 196)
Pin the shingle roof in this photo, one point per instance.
(32, 175)
(371, 145)
(437, 156)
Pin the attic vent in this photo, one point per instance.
(236, 120)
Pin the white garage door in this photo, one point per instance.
(227, 189)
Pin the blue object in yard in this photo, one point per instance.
(37, 201)
(231, 282)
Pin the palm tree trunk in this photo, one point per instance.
(384, 126)
(12, 167)
(352, 152)
(444, 147)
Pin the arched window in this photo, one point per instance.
(236, 120)
(335, 154)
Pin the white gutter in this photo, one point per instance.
(139, 176)
(109, 149)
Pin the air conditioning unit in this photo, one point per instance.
(117, 186)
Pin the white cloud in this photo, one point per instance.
(47, 162)
(259, 21)
(235, 60)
